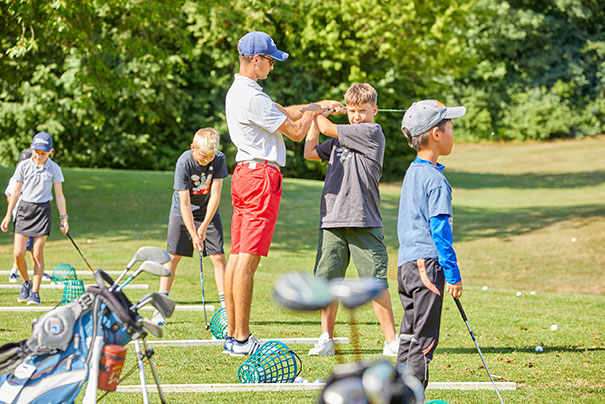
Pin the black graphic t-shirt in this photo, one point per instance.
(190, 176)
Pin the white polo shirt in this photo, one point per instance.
(253, 120)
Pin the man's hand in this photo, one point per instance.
(454, 289)
(64, 226)
(331, 104)
(313, 108)
(198, 243)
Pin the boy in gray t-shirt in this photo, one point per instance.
(350, 221)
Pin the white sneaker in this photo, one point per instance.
(158, 319)
(13, 277)
(392, 348)
(247, 348)
(323, 347)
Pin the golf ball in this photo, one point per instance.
(532, 293)
(573, 239)
(554, 327)
(519, 294)
(305, 381)
(485, 287)
(318, 381)
(299, 379)
(539, 348)
(89, 241)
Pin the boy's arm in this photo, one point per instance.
(212, 207)
(11, 206)
(311, 142)
(326, 126)
(187, 215)
(441, 233)
(62, 206)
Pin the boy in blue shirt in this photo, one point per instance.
(426, 259)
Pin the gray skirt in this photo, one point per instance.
(33, 219)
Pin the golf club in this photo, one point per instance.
(477, 345)
(203, 297)
(303, 292)
(162, 303)
(147, 253)
(151, 267)
(81, 255)
(391, 110)
(345, 391)
(155, 330)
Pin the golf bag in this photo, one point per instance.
(53, 364)
(371, 382)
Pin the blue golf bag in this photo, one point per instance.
(53, 364)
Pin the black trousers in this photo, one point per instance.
(421, 285)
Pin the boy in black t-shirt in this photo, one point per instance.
(195, 222)
(350, 221)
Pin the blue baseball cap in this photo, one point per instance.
(260, 43)
(424, 115)
(42, 141)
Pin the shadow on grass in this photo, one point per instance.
(507, 350)
(468, 180)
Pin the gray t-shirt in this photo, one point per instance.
(38, 181)
(189, 175)
(350, 196)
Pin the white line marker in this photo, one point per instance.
(237, 387)
(59, 286)
(78, 273)
(47, 308)
(209, 342)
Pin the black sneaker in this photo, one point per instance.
(25, 291)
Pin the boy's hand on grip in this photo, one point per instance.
(454, 289)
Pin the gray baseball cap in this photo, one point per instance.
(425, 114)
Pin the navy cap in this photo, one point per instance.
(260, 43)
(424, 115)
(42, 141)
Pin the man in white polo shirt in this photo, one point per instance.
(256, 125)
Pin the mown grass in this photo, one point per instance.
(517, 208)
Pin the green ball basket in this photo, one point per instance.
(273, 362)
(63, 272)
(72, 290)
(218, 324)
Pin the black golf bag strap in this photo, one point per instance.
(12, 354)
(117, 303)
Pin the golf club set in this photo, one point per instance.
(76, 343)
(359, 382)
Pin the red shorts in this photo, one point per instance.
(256, 193)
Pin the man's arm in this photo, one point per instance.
(187, 215)
(295, 112)
(298, 130)
(212, 207)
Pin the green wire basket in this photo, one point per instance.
(63, 272)
(72, 290)
(273, 362)
(218, 324)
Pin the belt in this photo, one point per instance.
(263, 162)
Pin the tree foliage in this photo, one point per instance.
(126, 83)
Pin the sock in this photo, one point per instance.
(14, 270)
(221, 297)
(164, 292)
(244, 341)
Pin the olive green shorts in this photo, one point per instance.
(365, 245)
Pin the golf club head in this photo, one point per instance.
(162, 303)
(299, 291)
(154, 268)
(149, 326)
(149, 253)
(377, 382)
(345, 391)
(415, 388)
(355, 292)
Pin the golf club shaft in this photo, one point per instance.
(203, 297)
(477, 345)
(81, 255)
(391, 110)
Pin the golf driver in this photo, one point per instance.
(146, 253)
(477, 345)
(303, 292)
(151, 267)
(162, 303)
(203, 297)
(81, 255)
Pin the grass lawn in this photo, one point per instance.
(527, 218)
